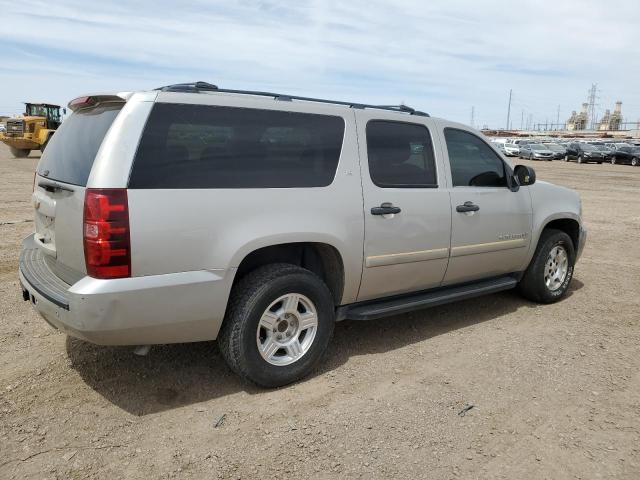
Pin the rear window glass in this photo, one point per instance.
(201, 146)
(70, 153)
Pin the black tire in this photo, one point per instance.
(20, 152)
(613, 160)
(566, 158)
(580, 159)
(249, 299)
(532, 286)
(599, 163)
(634, 162)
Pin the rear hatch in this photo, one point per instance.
(60, 183)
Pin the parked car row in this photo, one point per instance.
(580, 151)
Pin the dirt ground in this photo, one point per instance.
(555, 389)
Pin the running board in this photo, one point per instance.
(395, 305)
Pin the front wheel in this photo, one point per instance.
(634, 161)
(580, 159)
(20, 152)
(613, 160)
(566, 158)
(278, 324)
(549, 274)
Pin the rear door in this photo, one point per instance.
(59, 189)
(407, 213)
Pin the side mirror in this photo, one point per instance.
(64, 111)
(524, 175)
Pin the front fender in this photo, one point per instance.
(551, 202)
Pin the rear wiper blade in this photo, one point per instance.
(51, 186)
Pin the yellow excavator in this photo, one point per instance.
(33, 130)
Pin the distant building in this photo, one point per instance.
(612, 121)
(578, 121)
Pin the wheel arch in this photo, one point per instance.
(321, 258)
(570, 226)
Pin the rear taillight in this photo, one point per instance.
(107, 245)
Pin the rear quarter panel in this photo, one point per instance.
(177, 230)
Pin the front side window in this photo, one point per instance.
(473, 162)
(202, 146)
(400, 155)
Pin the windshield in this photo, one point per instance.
(535, 146)
(70, 153)
(587, 147)
(36, 110)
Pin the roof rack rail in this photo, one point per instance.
(197, 87)
(189, 87)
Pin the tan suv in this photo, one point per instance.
(192, 213)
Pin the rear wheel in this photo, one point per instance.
(566, 158)
(549, 274)
(613, 160)
(278, 324)
(20, 152)
(634, 161)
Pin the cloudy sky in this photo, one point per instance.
(442, 57)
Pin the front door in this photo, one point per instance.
(491, 224)
(407, 212)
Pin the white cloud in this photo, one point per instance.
(441, 57)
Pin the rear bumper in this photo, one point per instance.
(171, 308)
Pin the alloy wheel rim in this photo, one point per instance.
(556, 268)
(286, 329)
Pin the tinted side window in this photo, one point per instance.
(473, 162)
(201, 146)
(400, 155)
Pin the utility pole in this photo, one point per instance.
(473, 116)
(558, 119)
(522, 119)
(509, 110)
(593, 92)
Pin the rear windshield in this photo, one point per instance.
(201, 146)
(70, 153)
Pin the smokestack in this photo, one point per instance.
(618, 109)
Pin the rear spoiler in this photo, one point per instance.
(90, 101)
